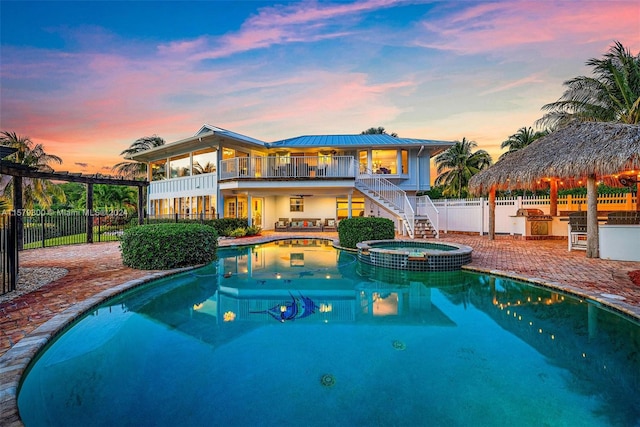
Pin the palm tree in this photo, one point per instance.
(377, 131)
(523, 137)
(133, 170)
(34, 190)
(457, 165)
(208, 167)
(115, 197)
(612, 95)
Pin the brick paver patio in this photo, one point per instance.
(96, 272)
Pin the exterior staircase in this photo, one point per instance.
(389, 196)
(424, 229)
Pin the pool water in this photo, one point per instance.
(298, 333)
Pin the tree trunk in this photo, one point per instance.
(593, 248)
(492, 213)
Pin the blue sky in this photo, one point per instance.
(87, 78)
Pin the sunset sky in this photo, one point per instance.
(87, 78)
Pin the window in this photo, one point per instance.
(158, 170)
(296, 204)
(204, 161)
(342, 207)
(179, 166)
(231, 209)
(384, 161)
(405, 162)
(364, 162)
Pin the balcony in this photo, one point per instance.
(303, 167)
(196, 185)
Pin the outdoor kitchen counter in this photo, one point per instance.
(619, 242)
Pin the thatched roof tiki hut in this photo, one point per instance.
(581, 152)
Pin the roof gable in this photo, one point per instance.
(209, 129)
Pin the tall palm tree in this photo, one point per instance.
(523, 137)
(612, 95)
(378, 131)
(457, 165)
(34, 190)
(133, 170)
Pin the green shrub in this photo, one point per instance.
(238, 232)
(253, 230)
(224, 226)
(355, 230)
(166, 246)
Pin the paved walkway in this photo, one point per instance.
(96, 272)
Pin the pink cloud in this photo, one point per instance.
(525, 81)
(492, 27)
(183, 47)
(298, 22)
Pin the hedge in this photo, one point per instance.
(223, 226)
(167, 246)
(354, 230)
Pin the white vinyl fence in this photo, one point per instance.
(472, 215)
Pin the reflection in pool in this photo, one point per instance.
(381, 347)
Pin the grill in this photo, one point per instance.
(533, 215)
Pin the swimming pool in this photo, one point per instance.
(297, 332)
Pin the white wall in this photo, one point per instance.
(472, 215)
(314, 207)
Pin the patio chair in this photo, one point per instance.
(578, 231)
(282, 225)
(624, 217)
(330, 224)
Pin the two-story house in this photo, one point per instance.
(219, 173)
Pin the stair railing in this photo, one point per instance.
(425, 207)
(389, 193)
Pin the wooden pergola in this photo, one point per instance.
(19, 171)
(582, 152)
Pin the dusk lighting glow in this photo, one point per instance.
(86, 79)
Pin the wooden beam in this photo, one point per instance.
(492, 213)
(553, 197)
(593, 248)
(18, 209)
(15, 169)
(89, 207)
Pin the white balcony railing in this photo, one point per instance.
(288, 167)
(201, 184)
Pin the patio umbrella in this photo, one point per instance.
(582, 151)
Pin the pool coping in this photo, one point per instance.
(16, 360)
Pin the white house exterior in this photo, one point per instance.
(219, 173)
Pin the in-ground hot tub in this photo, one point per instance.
(414, 255)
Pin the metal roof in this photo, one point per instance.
(205, 129)
(346, 141)
(212, 136)
(207, 136)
